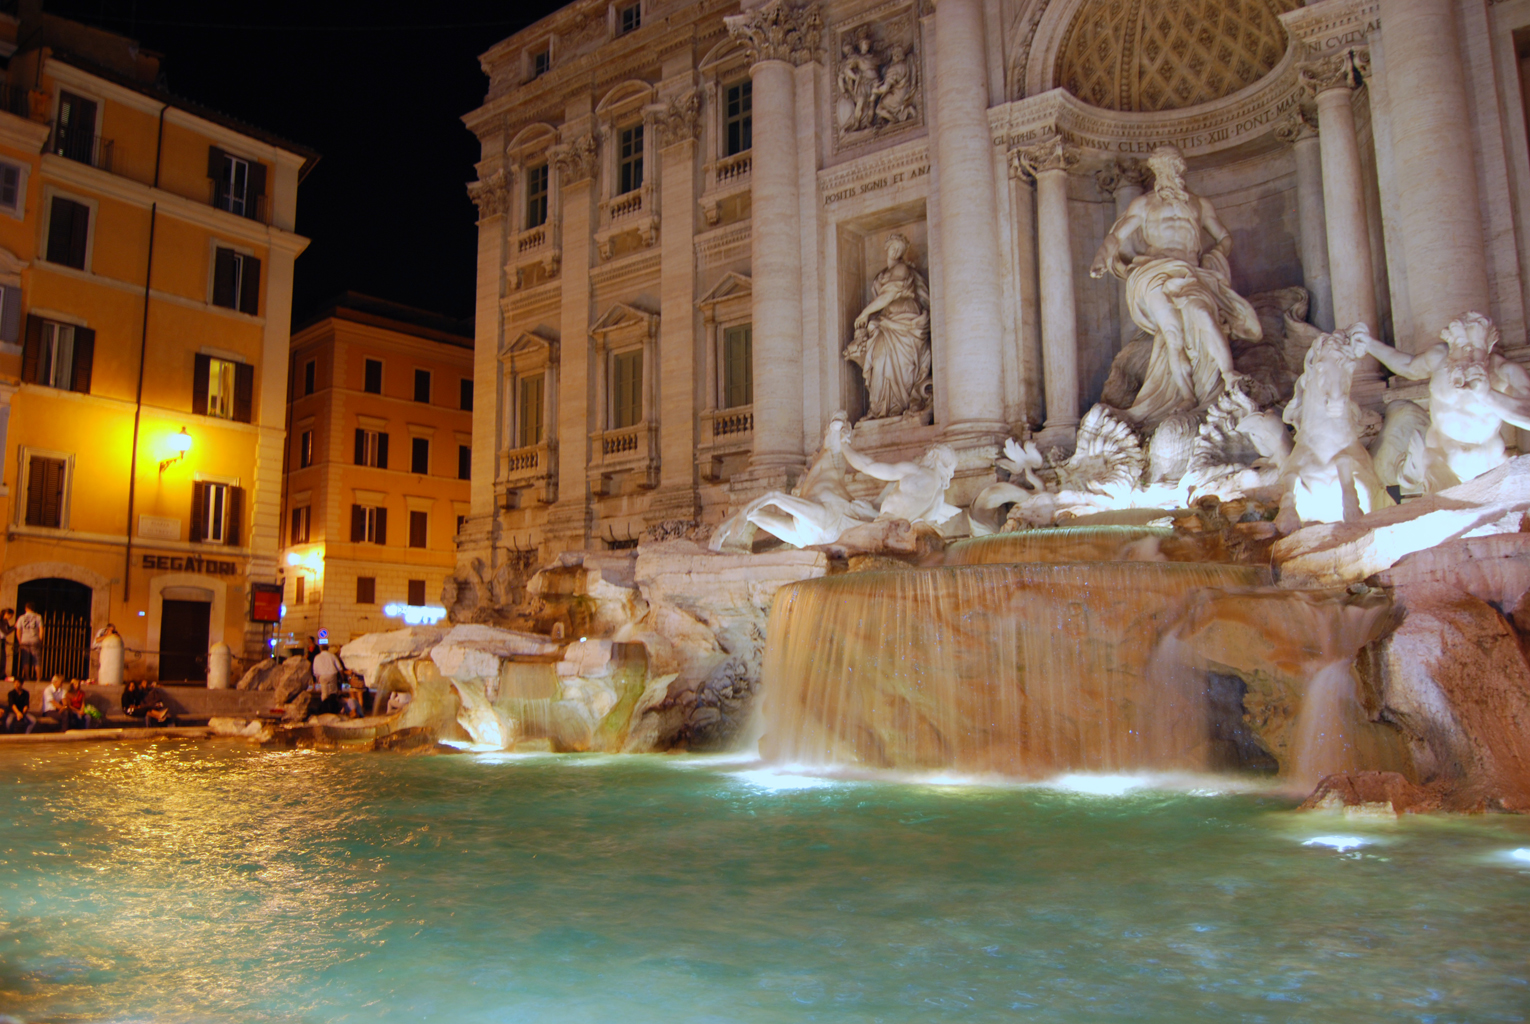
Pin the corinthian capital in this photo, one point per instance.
(575, 159)
(1128, 172)
(1302, 124)
(1050, 153)
(1340, 71)
(774, 31)
(491, 195)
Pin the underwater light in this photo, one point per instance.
(415, 614)
(1340, 843)
(1522, 854)
(780, 782)
(1097, 785)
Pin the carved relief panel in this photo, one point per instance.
(878, 89)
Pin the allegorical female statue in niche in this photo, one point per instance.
(892, 338)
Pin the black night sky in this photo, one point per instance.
(378, 87)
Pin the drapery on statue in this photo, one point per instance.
(1473, 391)
(1178, 290)
(892, 338)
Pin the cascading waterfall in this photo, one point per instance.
(1022, 669)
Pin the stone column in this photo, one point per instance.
(777, 37)
(675, 502)
(1439, 218)
(1352, 274)
(1123, 180)
(973, 337)
(1049, 161)
(1300, 133)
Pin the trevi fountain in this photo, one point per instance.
(1205, 699)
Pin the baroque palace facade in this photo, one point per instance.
(146, 262)
(707, 227)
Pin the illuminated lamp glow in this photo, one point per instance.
(180, 442)
(1340, 843)
(415, 614)
(293, 559)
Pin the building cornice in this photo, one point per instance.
(21, 133)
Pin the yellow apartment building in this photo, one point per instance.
(379, 455)
(146, 260)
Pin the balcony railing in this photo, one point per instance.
(531, 240)
(251, 207)
(620, 442)
(731, 422)
(731, 167)
(627, 205)
(94, 150)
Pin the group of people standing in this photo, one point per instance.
(21, 642)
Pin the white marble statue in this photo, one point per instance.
(892, 338)
(916, 491)
(1328, 477)
(1473, 391)
(1179, 290)
(817, 511)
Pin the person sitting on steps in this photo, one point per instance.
(18, 716)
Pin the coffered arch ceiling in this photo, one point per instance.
(1156, 55)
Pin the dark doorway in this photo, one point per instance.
(183, 629)
(65, 609)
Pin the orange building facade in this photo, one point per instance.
(379, 454)
(146, 259)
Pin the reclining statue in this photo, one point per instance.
(1473, 391)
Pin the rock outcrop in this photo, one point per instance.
(285, 679)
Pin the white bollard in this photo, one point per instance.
(110, 673)
(218, 660)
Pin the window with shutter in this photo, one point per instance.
(418, 522)
(236, 280)
(211, 521)
(10, 314)
(233, 532)
(310, 376)
(54, 362)
(358, 524)
(369, 524)
(45, 491)
(419, 455)
(531, 390)
(11, 200)
(372, 377)
(68, 232)
(738, 366)
(465, 395)
(74, 136)
(464, 462)
(298, 590)
(626, 389)
(198, 510)
(83, 361)
(244, 392)
(371, 448)
(300, 524)
(305, 449)
(422, 386)
(366, 589)
(536, 196)
(220, 388)
(249, 286)
(417, 593)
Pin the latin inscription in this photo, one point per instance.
(875, 184)
(1190, 141)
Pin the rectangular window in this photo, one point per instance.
(222, 388)
(10, 313)
(627, 389)
(541, 63)
(465, 395)
(310, 376)
(58, 355)
(238, 184)
(55, 366)
(68, 232)
(305, 449)
(422, 386)
(738, 366)
(629, 19)
(417, 593)
(371, 448)
(531, 389)
(418, 526)
(464, 462)
(45, 491)
(366, 589)
(738, 117)
(298, 594)
(630, 160)
(372, 377)
(236, 281)
(10, 189)
(301, 516)
(369, 524)
(419, 455)
(75, 135)
(216, 511)
(536, 196)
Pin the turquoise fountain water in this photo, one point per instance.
(183, 882)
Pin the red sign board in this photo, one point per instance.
(265, 602)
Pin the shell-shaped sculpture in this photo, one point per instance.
(1170, 447)
(1107, 456)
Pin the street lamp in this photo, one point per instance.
(180, 444)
